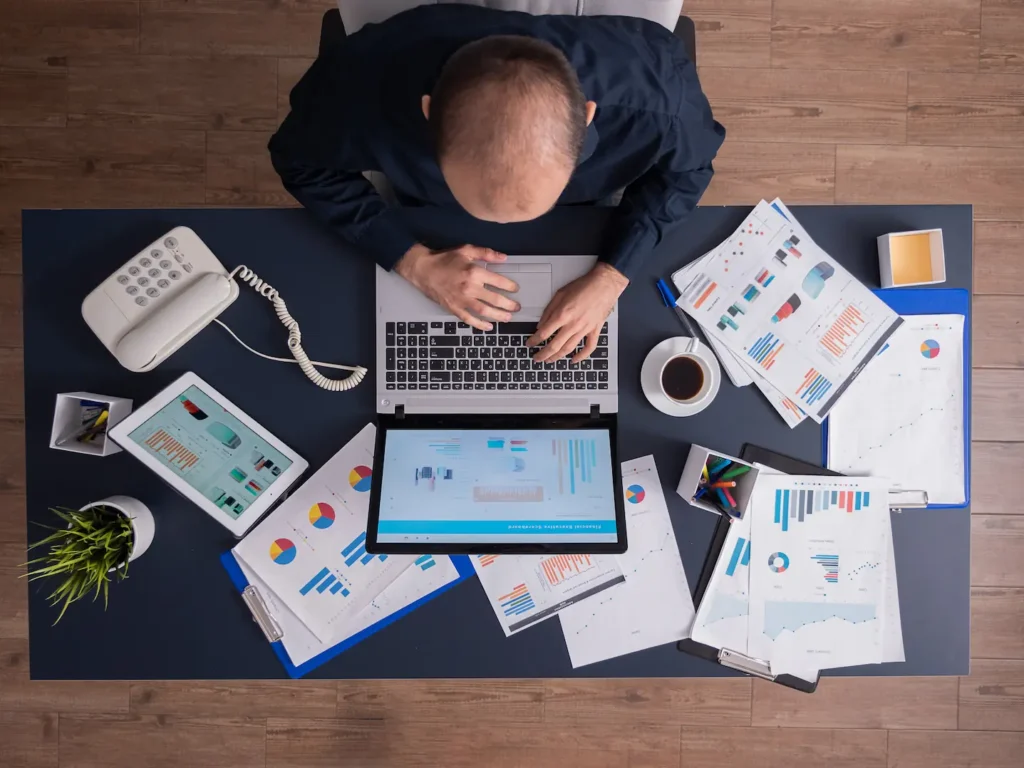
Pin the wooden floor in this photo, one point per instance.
(170, 103)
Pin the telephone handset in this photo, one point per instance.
(170, 291)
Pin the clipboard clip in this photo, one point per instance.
(907, 499)
(261, 615)
(743, 663)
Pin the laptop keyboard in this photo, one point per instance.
(453, 356)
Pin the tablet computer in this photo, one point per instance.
(478, 484)
(211, 452)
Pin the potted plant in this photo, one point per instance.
(92, 548)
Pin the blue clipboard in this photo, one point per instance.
(933, 301)
(461, 563)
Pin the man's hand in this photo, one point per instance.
(578, 311)
(457, 283)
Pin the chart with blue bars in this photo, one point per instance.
(831, 565)
(517, 602)
(577, 462)
(740, 556)
(356, 550)
(794, 506)
(425, 562)
(325, 581)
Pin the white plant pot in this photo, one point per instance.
(143, 525)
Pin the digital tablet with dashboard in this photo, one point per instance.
(211, 452)
(496, 484)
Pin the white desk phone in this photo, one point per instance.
(170, 291)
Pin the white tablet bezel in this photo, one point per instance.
(120, 434)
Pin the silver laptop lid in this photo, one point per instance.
(447, 370)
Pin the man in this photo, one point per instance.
(505, 115)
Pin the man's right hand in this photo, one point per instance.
(455, 281)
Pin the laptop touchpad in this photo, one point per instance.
(534, 282)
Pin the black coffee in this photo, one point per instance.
(682, 378)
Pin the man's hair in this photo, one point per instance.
(489, 86)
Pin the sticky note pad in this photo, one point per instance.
(911, 257)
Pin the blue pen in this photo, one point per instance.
(669, 301)
(666, 295)
(725, 502)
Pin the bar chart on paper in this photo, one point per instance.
(795, 505)
(356, 551)
(840, 332)
(562, 567)
(765, 350)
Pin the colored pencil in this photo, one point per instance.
(736, 471)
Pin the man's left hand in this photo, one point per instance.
(578, 311)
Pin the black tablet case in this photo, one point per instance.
(777, 461)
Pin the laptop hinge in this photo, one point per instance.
(399, 411)
(595, 411)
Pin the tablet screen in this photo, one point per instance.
(478, 487)
(211, 450)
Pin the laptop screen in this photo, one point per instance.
(485, 486)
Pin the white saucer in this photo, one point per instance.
(651, 373)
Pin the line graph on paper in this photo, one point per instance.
(938, 412)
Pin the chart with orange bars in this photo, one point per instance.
(176, 454)
(557, 569)
(844, 330)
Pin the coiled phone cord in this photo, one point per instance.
(294, 339)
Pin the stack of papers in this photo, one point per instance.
(310, 565)
(807, 579)
(775, 305)
(608, 605)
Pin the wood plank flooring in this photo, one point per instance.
(170, 102)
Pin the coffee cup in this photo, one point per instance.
(686, 378)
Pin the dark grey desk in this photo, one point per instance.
(178, 616)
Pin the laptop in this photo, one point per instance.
(479, 448)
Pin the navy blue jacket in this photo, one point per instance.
(358, 109)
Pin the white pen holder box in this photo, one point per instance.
(689, 483)
(67, 422)
(911, 258)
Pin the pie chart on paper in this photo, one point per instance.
(930, 348)
(635, 494)
(359, 478)
(282, 551)
(321, 515)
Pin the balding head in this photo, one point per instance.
(509, 119)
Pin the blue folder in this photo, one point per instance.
(934, 301)
(461, 563)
